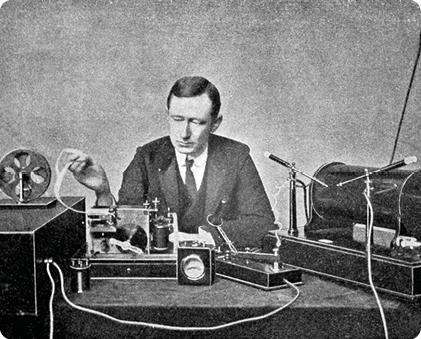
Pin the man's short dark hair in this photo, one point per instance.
(193, 86)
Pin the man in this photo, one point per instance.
(222, 169)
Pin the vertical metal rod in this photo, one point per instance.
(21, 190)
(293, 230)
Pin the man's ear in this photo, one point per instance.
(216, 124)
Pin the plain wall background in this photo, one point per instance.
(312, 81)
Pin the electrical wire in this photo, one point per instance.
(53, 291)
(275, 196)
(305, 201)
(370, 275)
(60, 177)
(406, 100)
(160, 326)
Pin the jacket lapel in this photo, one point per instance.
(217, 169)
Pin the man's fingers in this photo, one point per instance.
(79, 162)
(78, 166)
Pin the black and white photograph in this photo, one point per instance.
(210, 169)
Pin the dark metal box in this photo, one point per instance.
(29, 235)
(346, 260)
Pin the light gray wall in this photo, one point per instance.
(312, 81)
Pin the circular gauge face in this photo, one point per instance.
(192, 267)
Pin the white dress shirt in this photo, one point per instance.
(198, 168)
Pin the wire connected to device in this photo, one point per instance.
(370, 219)
(60, 177)
(152, 325)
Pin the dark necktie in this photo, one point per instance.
(190, 182)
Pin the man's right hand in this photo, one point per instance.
(89, 174)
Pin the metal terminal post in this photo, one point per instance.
(276, 263)
(226, 239)
(146, 204)
(155, 203)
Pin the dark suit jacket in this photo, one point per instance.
(230, 173)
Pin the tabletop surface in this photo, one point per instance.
(324, 309)
(314, 292)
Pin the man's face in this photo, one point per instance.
(191, 123)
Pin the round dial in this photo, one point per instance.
(192, 267)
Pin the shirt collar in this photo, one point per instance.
(198, 161)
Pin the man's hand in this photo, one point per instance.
(88, 173)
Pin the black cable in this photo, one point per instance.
(406, 100)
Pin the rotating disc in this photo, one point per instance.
(24, 175)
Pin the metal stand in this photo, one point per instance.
(293, 229)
